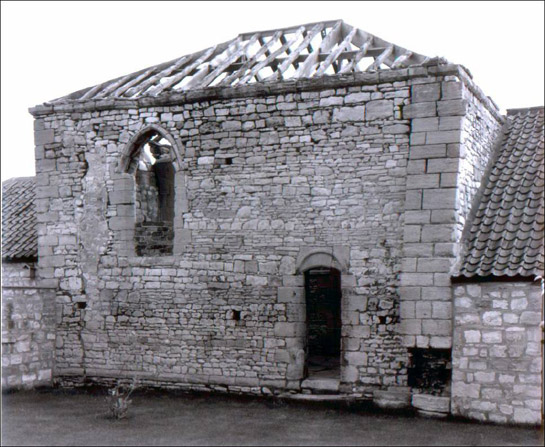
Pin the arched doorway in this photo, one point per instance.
(323, 322)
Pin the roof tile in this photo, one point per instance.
(506, 235)
(19, 236)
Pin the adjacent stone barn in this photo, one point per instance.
(28, 318)
(285, 213)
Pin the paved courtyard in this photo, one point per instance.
(64, 418)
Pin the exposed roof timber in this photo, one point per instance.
(304, 51)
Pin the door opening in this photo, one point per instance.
(323, 317)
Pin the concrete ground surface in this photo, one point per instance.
(80, 418)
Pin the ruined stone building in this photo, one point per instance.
(304, 211)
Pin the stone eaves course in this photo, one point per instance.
(19, 237)
(506, 235)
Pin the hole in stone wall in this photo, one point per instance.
(81, 305)
(154, 207)
(430, 370)
(236, 315)
(228, 161)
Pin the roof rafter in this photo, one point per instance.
(310, 50)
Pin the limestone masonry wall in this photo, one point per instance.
(497, 354)
(28, 329)
(453, 131)
(312, 171)
(359, 177)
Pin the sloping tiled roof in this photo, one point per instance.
(19, 236)
(304, 51)
(506, 236)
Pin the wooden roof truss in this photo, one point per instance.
(312, 50)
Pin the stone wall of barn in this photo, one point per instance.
(267, 178)
(28, 328)
(498, 352)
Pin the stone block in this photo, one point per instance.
(443, 216)
(438, 342)
(407, 309)
(295, 295)
(437, 233)
(425, 124)
(42, 137)
(425, 92)
(437, 327)
(420, 250)
(451, 90)
(456, 107)
(428, 402)
(411, 233)
(423, 309)
(379, 109)
(451, 123)
(410, 327)
(442, 309)
(417, 217)
(527, 416)
(432, 265)
(492, 318)
(416, 279)
(396, 129)
(465, 390)
(439, 199)
(530, 318)
(428, 151)
(349, 114)
(357, 97)
(423, 181)
(409, 293)
(413, 200)
(392, 399)
(420, 110)
(440, 165)
(416, 166)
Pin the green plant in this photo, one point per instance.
(118, 399)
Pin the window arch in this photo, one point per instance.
(151, 159)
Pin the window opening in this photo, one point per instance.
(154, 199)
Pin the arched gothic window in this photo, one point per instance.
(153, 170)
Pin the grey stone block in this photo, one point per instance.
(456, 107)
(42, 137)
(420, 110)
(379, 109)
(425, 92)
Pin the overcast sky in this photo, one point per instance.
(50, 49)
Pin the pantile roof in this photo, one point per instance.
(19, 236)
(305, 51)
(506, 235)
